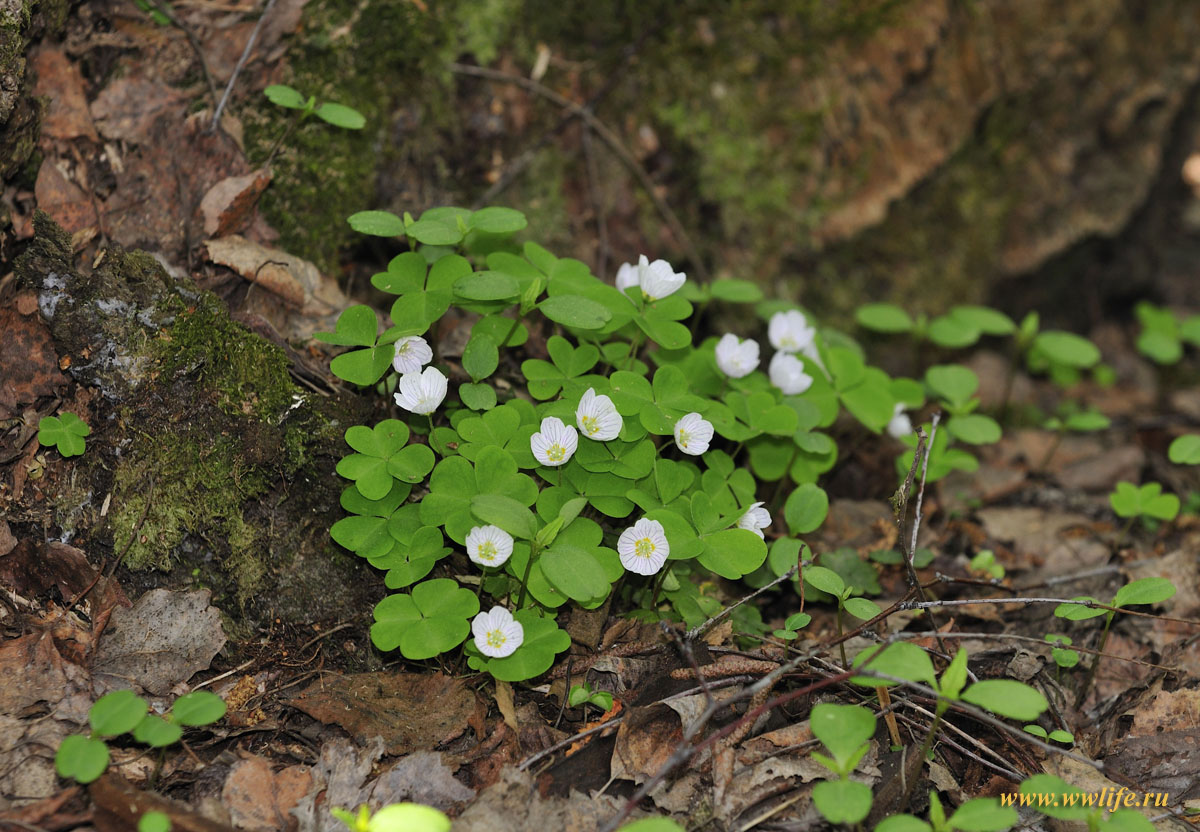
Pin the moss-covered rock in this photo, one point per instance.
(216, 467)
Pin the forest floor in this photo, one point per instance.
(312, 724)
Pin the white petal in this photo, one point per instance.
(627, 277)
(412, 353)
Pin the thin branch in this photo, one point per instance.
(238, 68)
(704, 627)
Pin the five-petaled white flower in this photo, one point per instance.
(693, 433)
(900, 426)
(597, 417)
(736, 358)
(412, 353)
(787, 373)
(789, 331)
(555, 443)
(643, 547)
(755, 519)
(489, 545)
(497, 634)
(658, 279)
(421, 392)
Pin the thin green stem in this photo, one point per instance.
(925, 748)
(634, 346)
(1091, 676)
(1058, 438)
(841, 644)
(658, 582)
(533, 553)
(282, 138)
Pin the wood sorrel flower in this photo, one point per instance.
(555, 443)
(736, 358)
(489, 545)
(597, 417)
(787, 373)
(627, 277)
(497, 634)
(693, 433)
(658, 279)
(755, 519)
(412, 353)
(421, 392)
(789, 331)
(900, 426)
(643, 547)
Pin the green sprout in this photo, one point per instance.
(84, 758)
(397, 817)
(1057, 735)
(1142, 591)
(583, 695)
(1162, 334)
(826, 580)
(844, 730)
(1146, 502)
(330, 112)
(1185, 450)
(1064, 658)
(66, 431)
(985, 562)
(1071, 420)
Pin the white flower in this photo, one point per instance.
(597, 417)
(497, 634)
(412, 353)
(489, 545)
(643, 547)
(658, 279)
(789, 331)
(787, 373)
(555, 443)
(900, 426)
(755, 519)
(736, 358)
(627, 276)
(421, 392)
(693, 433)
(810, 350)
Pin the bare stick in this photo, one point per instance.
(241, 63)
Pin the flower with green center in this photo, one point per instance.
(597, 417)
(555, 443)
(496, 633)
(736, 358)
(489, 545)
(643, 547)
(693, 433)
(789, 331)
(412, 353)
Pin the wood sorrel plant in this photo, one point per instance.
(629, 456)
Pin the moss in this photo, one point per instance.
(244, 374)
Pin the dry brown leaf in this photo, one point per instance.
(259, 799)
(60, 81)
(410, 711)
(229, 205)
(163, 640)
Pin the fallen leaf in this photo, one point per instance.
(33, 671)
(291, 278)
(338, 779)
(1041, 537)
(127, 108)
(514, 803)
(58, 79)
(26, 767)
(62, 199)
(645, 740)
(259, 799)
(410, 711)
(420, 777)
(7, 541)
(163, 640)
(229, 205)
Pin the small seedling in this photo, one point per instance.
(583, 695)
(66, 431)
(1071, 420)
(1185, 450)
(330, 112)
(1142, 591)
(829, 581)
(845, 731)
(398, 817)
(1146, 502)
(1063, 657)
(1057, 735)
(85, 757)
(1162, 335)
(791, 627)
(985, 562)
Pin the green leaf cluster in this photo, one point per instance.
(84, 757)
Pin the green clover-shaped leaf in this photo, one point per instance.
(66, 431)
(427, 622)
